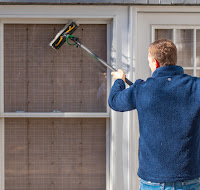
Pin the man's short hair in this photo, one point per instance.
(164, 51)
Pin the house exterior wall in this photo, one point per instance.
(124, 45)
(121, 2)
(116, 19)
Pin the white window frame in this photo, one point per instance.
(118, 52)
(4, 115)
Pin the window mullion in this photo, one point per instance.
(109, 61)
(56, 115)
(1, 68)
(2, 153)
(174, 36)
(194, 52)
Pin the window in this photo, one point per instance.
(41, 79)
(45, 153)
(187, 40)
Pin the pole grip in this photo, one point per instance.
(128, 82)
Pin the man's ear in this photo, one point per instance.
(157, 64)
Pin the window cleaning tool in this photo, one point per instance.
(66, 33)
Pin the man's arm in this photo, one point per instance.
(121, 99)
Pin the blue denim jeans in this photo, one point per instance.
(179, 185)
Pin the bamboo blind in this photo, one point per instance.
(41, 79)
(44, 154)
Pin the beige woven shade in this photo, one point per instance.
(61, 154)
(41, 79)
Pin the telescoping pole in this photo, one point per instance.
(79, 44)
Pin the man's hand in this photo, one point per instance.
(119, 74)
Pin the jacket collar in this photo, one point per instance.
(168, 70)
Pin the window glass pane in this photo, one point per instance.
(55, 154)
(198, 47)
(163, 33)
(184, 44)
(41, 79)
(198, 73)
(189, 72)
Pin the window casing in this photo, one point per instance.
(83, 115)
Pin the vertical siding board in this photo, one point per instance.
(178, 1)
(165, 1)
(154, 1)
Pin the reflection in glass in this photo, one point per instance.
(188, 72)
(184, 44)
(40, 79)
(198, 48)
(197, 73)
(163, 33)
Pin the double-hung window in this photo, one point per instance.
(55, 108)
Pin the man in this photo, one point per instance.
(168, 105)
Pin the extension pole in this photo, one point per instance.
(79, 44)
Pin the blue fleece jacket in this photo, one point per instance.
(168, 105)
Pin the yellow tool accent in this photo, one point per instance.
(70, 28)
(61, 38)
(59, 41)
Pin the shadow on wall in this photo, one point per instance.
(123, 64)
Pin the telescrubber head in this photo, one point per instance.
(60, 38)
